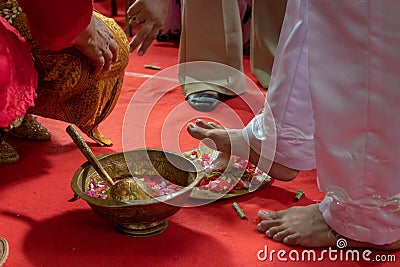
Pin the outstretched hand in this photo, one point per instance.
(150, 15)
(98, 44)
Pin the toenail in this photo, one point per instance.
(272, 214)
(191, 125)
(263, 212)
(268, 233)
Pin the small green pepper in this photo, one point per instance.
(299, 193)
(239, 210)
(153, 67)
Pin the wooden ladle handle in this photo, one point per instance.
(87, 152)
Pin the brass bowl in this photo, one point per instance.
(139, 217)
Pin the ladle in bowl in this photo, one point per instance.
(125, 189)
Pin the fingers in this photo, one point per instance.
(144, 37)
(138, 38)
(134, 9)
(135, 41)
(114, 50)
(97, 43)
(98, 64)
(110, 48)
(150, 14)
(148, 40)
(108, 59)
(104, 60)
(135, 20)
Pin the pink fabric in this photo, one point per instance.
(173, 23)
(18, 77)
(55, 24)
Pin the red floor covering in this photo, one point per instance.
(44, 229)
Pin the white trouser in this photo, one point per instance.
(288, 96)
(353, 110)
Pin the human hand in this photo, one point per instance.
(150, 14)
(97, 43)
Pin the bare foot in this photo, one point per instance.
(305, 226)
(3, 251)
(232, 141)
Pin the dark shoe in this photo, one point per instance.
(3, 251)
(203, 101)
(7, 154)
(31, 129)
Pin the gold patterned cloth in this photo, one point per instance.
(68, 90)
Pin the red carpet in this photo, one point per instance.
(44, 229)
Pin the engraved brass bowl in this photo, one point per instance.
(139, 217)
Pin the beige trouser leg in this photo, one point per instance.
(211, 31)
(267, 21)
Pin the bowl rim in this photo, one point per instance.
(117, 203)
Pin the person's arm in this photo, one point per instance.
(150, 14)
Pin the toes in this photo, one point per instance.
(265, 225)
(263, 215)
(197, 132)
(291, 239)
(214, 125)
(203, 124)
(268, 215)
(208, 125)
(279, 233)
(274, 232)
(202, 134)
